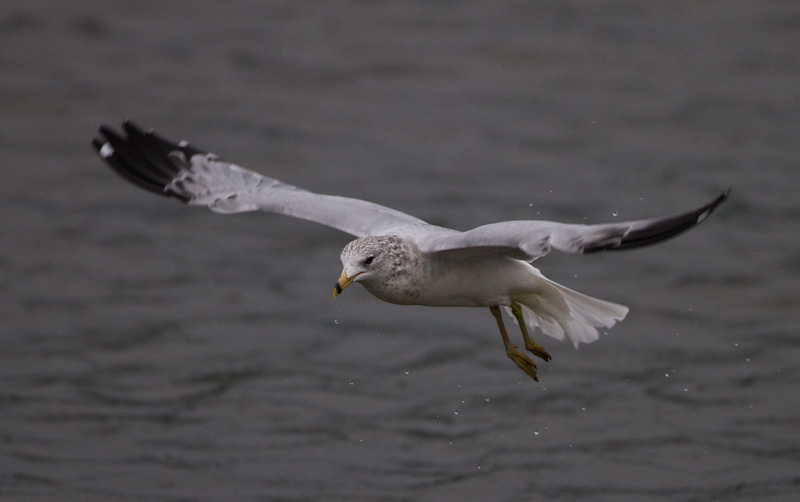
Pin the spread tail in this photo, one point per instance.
(558, 312)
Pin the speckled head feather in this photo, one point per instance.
(388, 266)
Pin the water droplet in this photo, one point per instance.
(487, 399)
(666, 375)
(536, 432)
(455, 412)
(615, 213)
(336, 321)
(583, 408)
(351, 382)
(407, 372)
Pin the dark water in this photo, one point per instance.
(151, 351)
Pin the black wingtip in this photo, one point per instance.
(142, 158)
(657, 230)
(709, 208)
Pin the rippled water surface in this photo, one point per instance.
(151, 351)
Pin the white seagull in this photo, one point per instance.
(402, 259)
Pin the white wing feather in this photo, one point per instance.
(202, 179)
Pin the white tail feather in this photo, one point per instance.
(560, 312)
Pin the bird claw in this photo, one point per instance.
(537, 350)
(524, 362)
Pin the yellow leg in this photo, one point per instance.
(530, 344)
(523, 361)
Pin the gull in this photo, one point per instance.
(401, 259)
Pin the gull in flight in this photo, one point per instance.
(402, 259)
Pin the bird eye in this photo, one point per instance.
(369, 260)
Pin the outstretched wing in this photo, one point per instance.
(199, 178)
(529, 240)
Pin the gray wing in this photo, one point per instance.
(199, 178)
(528, 240)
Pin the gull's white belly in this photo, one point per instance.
(482, 281)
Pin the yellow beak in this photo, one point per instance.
(342, 283)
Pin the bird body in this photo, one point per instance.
(401, 259)
(450, 282)
(398, 272)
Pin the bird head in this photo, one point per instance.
(362, 260)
